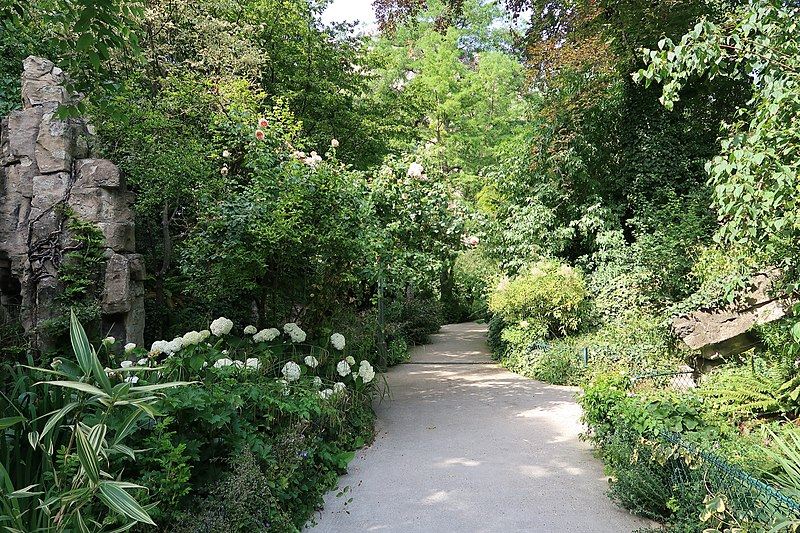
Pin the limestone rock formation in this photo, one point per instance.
(46, 171)
(724, 331)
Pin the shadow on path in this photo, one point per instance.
(464, 445)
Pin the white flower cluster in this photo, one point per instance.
(192, 338)
(130, 347)
(167, 347)
(366, 371)
(252, 363)
(317, 382)
(343, 368)
(109, 340)
(325, 394)
(294, 332)
(250, 330)
(291, 371)
(126, 364)
(337, 339)
(144, 361)
(350, 360)
(338, 387)
(415, 170)
(221, 326)
(312, 159)
(311, 361)
(266, 335)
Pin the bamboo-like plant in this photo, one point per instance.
(56, 448)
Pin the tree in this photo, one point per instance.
(754, 176)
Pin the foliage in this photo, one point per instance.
(81, 36)
(59, 449)
(80, 272)
(556, 364)
(416, 319)
(753, 176)
(472, 274)
(298, 406)
(551, 296)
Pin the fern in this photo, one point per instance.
(790, 391)
(747, 392)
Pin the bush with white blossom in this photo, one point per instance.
(221, 326)
(337, 340)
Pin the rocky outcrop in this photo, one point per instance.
(46, 172)
(724, 331)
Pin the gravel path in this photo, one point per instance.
(466, 446)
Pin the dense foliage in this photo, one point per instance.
(575, 172)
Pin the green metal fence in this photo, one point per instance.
(731, 496)
(739, 499)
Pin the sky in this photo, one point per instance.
(350, 10)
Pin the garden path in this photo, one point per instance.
(464, 445)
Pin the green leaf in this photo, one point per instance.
(55, 418)
(80, 344)
(114, 496)
(159, 386)
(77, 385)
(10, 421)
(127, 427)
(84, 41)
(88, 458)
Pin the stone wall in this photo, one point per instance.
(46, 170)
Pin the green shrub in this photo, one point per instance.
(549, 296)
(398, 352)
(416, 319)
(494, 336)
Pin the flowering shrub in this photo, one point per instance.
(254, 392)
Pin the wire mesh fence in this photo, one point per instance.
(733, 497)
(670, 468)
(681, 381)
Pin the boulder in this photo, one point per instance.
(723, 331)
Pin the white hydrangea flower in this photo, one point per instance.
(221, 326)
(334, 143)
(366, 371)
(286, 389)
(250, 330)
(253, 363)
(133, 380)
(126, 364)
(337, 339)
(192, 338)
(175, 345)
(204, 334)
(343, 368)
(159, 346)
(291, 371)
(223, 362)
(338, 387)
(325, 394)
(294, 332)
(317, 382)
(266, 335)
(350, 360)
(130, 347)
(143, 362)
(415, 170)
(311, 361)
(238, 364)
